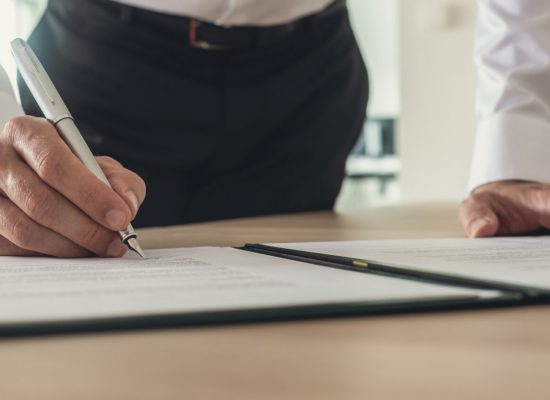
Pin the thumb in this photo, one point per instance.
(478, 218)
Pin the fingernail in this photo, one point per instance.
(134, 200)
(476, 225)
(116, 248)
(116, 219)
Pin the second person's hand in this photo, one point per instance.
(506, 208)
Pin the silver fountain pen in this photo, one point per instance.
(55, 110)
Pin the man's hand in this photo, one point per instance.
(51, 204)
(506, 208)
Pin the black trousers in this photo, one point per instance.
(215, 134)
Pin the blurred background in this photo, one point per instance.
(416, 145)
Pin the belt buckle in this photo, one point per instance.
(194, 40)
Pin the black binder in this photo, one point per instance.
(501, 295)
(528, 294)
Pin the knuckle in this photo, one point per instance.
(39, 205)
(22, 234)
(26, 128)
(48, 166)
(13, 127)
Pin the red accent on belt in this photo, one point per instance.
(192, 31)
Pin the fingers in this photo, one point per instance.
(39, 145)
(53, 204)
(7, 248)
(506, 208)
(478, 218)
(48, 208)
(538, 199)
(126, 183)
(23, 236)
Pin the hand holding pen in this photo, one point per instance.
(52, 203)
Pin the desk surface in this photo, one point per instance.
(483, 354)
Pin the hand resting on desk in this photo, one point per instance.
(51, 204)
(506, 208)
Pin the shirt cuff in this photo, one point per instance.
(511, 147)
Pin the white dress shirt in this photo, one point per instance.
(235, 12)
(513, 99)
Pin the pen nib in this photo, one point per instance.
(133, 245)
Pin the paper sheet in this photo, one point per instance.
(9, 107)
(186, 280)
(522, 260)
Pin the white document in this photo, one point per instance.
(9, 107)
(195, 280)
(519, 261)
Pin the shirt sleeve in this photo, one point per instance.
(9, 107)
(512, 53)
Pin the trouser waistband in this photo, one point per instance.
(203, 34)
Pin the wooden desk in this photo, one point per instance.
(485, 354)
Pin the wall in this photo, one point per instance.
(376, 26)
(437, 99)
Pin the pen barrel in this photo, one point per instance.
(39, 83)
(73, 138)
(55, 110)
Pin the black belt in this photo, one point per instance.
(209, 36)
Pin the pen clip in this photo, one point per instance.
(38, 82)
(38, 75)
